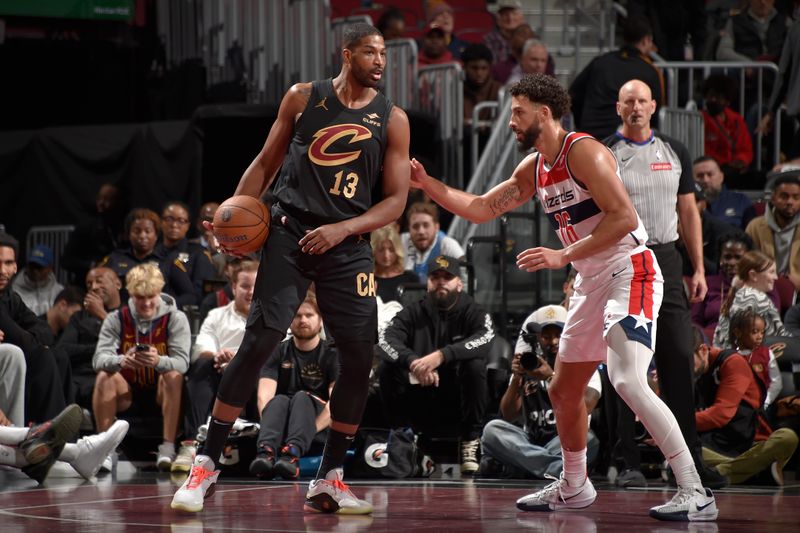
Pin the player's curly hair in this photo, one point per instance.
(144, 280)
(543, 89)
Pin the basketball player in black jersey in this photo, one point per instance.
(346, 173)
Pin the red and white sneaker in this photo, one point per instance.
(331, 495)
(197, 487)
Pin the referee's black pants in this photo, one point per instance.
(674, 358)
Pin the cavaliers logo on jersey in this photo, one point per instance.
(324, 138)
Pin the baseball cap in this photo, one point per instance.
(699, 194)
(41, 255)
(444, 262)
(509, 4)
(550, 315)
(437, 9)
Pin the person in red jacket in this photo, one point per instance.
(736, 439)
(727, 139)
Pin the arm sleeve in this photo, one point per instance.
(178, 343)
(735, 376)
(478, 344)
(396, 337)
(105, 354)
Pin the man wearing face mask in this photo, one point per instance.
(434, 354)
(726, 137)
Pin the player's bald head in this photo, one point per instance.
(636, 88)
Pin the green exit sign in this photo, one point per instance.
(69, 9)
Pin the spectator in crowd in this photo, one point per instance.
(533, 450)
(597, 86)
(392, 24)
(508, 18)
(390, 262)
(736, 438)
(19, 327)
(757, 33)
(433, 49)
(731, 207)
(68, 302)
(205, 237)
(479, 86)
(217, 342)
(143, 227)
(293, 395)
(756, 278)
(98, 236)
(425, 240)
(141, 356)
(34, 450)
(727, 139)
(434, 354)
(775, 232)
(747, 338)
(79, 339)
(12, 384)
(501, 71)
(174, 245)
(36, 284)
(787, 90)
(534, 59)
(440, 15)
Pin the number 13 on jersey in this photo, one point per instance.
(565, 230)
(351, 182)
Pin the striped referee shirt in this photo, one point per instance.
(654, 172)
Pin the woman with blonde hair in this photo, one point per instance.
(390, 256)
(755, 278)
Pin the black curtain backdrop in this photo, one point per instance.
(51, 176)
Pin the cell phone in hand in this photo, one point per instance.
(142, 348)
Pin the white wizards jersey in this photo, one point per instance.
(573, 213)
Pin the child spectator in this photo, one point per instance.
(747, 337)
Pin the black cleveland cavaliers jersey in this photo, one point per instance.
(332, 171)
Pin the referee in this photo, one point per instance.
(657, 173)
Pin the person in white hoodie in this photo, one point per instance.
(141, 356)
(36, 284)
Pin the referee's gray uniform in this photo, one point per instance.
(655, 172)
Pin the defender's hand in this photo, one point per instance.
(418, 175)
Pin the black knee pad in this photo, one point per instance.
(355, 361)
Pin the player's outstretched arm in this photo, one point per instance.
(504, 197)
(259, 175)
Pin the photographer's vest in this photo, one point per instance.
(540, 419)
(130, 337)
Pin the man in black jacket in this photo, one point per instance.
(435, 360)
(44, 387)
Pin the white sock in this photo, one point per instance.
(11, 456)
(12, 435)
(574, 467)
(69, 453)
(167, 447)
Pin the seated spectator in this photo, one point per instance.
(45, 384)
(12, 385)
(736, 439)
(440, 15)
(756, 277)
(503, 70)
(143, 227)
(68, 302)
(220, 336)
(727, 139)
(23, 447)
(36, 284)
(206, 238)
(533, 450)
(425, 240)
(79, 339)
(775, 232)
(141, 356)
(747, 337)
(174, 245)
(508, 18)
(479, 86)
(392, 24)
(293, 394)
(97, 237)
(534, 59)
(433, 48)
(757, 33)
(390, 258)
(731, 207)
(434, 355)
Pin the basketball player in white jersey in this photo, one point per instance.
(618, 289)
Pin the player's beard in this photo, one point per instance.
(529, 137)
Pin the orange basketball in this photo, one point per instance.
(241, 224)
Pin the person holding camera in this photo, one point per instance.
(533, 450)
(141, 356)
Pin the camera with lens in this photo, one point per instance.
(530, 360)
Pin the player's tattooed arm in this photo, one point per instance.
(508, 196)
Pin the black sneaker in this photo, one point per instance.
(44, 442)
(631, 477)
(288, 466)
(263, 466)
